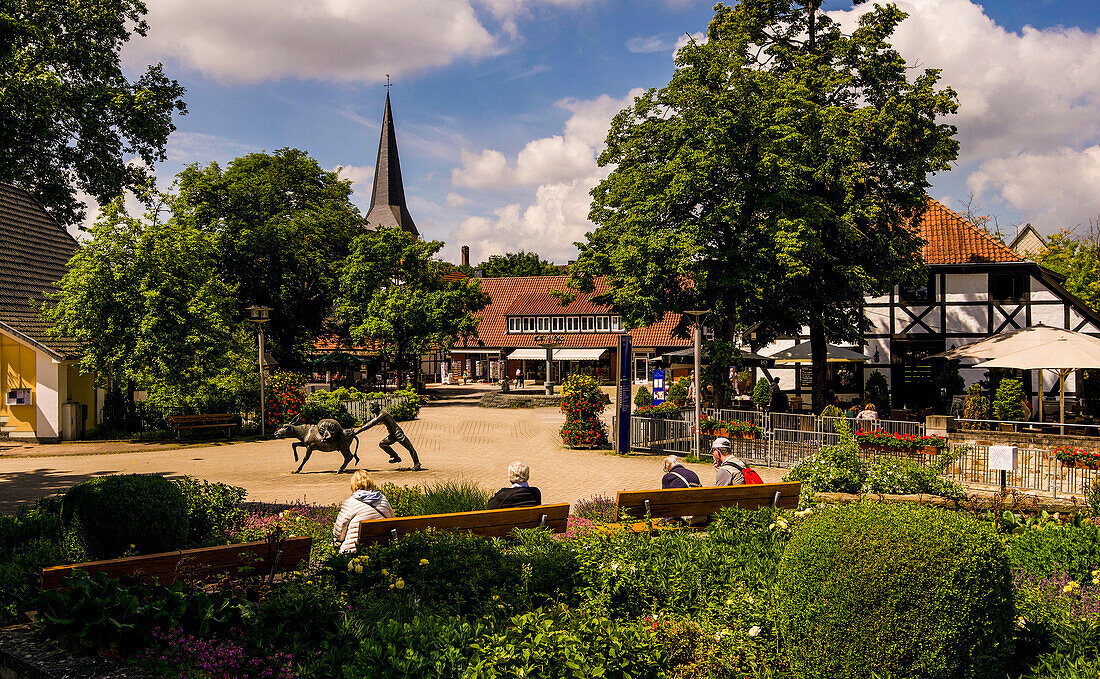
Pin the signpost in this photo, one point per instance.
(622, 396)
(1004, 459)
(658, 387)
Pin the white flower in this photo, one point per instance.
(754, 630)
(614, 565)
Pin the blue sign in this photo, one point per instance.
(622, 441)
(658, 387)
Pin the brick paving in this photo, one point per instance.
(455, 439)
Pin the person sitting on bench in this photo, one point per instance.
(730, 470)
(520, 493)
(677, 475)
(366, 503)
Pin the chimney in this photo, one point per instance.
(465, 255)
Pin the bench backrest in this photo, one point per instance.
(489, 522)
(193, 419)
(205, 561)
(699, 501)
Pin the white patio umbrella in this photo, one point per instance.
(1072, 351)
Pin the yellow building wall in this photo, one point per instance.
(17, 371)
(81, 389)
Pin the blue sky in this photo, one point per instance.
(501, 105)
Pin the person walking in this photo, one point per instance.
(519, 378)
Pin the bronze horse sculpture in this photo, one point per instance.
(326, 436)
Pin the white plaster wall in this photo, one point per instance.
(1040, 292)
(966, 287)
(1075, 318)
(882, 299)
(880, 344)
(1052, 315)
(47, 396)
(968, 318)
(879, 317)
(1020, 317)
(902, 319)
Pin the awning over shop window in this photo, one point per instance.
(539, 354)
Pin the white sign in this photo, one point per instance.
(1002, 457)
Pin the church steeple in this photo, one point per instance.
(387, 202)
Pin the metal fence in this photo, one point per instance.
(787, 439)
(360, 410)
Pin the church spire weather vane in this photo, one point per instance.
(388, 84)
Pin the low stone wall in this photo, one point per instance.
(1021, 439)
(519, 400)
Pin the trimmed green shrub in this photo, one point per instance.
(30, 540)
(213, 510)
(834, 469)
(643, 397)
(760, 393)
(109, 516)
(409, 410)
(895, 589)
(878, 392)
(322, 405)
(678, 392)
(450, 497)
(975, 406)
(831, 411)
(1008, 404)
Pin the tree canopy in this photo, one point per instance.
(520, 263)
(775, 179)
(1078, 259)
(70, 120)
(282, 226)
(393, 293)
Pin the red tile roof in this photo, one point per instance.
(530, 295)
(950, 239)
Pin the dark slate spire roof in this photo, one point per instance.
(387, 202)
(34, 254)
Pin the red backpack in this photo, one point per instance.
(750, 475)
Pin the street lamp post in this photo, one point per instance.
(549, 342)
(697, 316)
(260, 315)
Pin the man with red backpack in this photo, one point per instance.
(731, 471)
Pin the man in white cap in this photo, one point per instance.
(730, 469)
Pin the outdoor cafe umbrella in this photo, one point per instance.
(1063, 355)
(800, 353)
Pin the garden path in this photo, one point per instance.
(454, 437)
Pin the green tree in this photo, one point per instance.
(780, 172)
(1078, 259)
(69, 118)
(520, 263)
(283, 226)
(393, 293)
(146, 300)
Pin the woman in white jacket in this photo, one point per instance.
(366, 503)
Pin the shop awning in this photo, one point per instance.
(539, 354)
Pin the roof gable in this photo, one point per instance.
(950, 239)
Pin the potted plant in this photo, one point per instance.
(1008, 404)
(1078, 458)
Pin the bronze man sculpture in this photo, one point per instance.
(396, 435)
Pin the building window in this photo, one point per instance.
(557, 324)
(528, 324)
(616, 323)
(603, 323)
(572, 324)
(1007, 287)
(588, 323)
(514, 325)
(925, 292)
(544, 324)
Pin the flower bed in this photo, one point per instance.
(665, 411)
(1078, 458)
(906, 443)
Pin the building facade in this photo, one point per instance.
(42, 393)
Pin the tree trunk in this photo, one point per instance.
(819, 353)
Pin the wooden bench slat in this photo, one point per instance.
(206, 560)
(698, 501)
(489, 523)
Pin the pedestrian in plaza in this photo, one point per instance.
(867, 415)
(677, 475)
(729, 470)
(366, 503)
(520, 493)
(519, 378)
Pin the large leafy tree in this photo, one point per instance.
(1078, 259)
(282, 226)
(520, 263)
(148, 303)
(70, 120)
(775, 180)
(393, 293)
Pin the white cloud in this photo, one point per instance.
(1058, 189)
(561, 167)
(335, 40)
(362, 182)
(196, 147)
(455, 200)
(699, 37)
(645, 44)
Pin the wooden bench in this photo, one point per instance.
(490, 523)
(660, 504)
(182, 422)
(167, 567)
